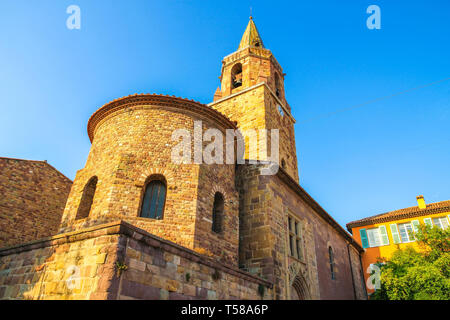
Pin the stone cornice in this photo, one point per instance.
(283, 106)
(252, 51)
(156, 100)
(123, 228)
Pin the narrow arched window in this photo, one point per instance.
(277, 85)
(154, 199)
(236, 76)
(332, 266)
(217, 215)
(86, 199)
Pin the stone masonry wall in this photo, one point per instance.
(119, 261)
(257, 109)
(285, 125)
(247, 109)
(358, 278)
(263, 221)
(32, 199)
(158, 269)
(134, 143)
(266, 202)
(322, 235)
(42, 270)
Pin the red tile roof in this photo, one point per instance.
(432, 208)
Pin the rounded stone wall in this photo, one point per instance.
(131, 147)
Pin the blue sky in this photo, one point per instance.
(355, 163)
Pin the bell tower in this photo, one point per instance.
(252, 94)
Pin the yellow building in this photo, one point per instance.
(382, 234)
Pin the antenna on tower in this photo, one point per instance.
(251, 15)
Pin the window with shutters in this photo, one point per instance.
(441, 222)
(363, 236)
(377, 237)
(154, 198)
(406, 232)
(295, 238)
(374, 237)
(395, 235)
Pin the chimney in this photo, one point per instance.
(421, 202)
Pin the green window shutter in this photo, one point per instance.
(428, 222)
(364, 241)
(415, 225)
(384, 236)
(395, 235)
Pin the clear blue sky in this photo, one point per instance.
(355, 163)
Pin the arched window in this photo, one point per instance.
(217, 215)
(154, 199)
(332, 267)
(283, 163)
(277, 85)
(236, 76)
(86, 199)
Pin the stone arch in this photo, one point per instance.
(299, 289)
(85, 205)
(277, 85)
(236, 76)
(218, 188)
(168, 176)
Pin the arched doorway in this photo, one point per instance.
(299, 289)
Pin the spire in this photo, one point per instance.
(251, 36)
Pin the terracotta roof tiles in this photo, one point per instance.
(405, 213)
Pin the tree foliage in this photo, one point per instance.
(418, 275)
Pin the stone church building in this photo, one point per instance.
(138, 226)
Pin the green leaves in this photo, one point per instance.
(424, 275)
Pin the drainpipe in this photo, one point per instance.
(362, 276)
(351, 270)
(286, 256)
